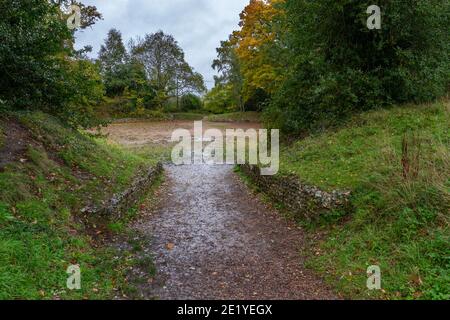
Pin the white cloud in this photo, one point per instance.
(197, 25)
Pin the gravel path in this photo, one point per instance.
(213, 239)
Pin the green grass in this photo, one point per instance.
(235, 117)
(400, 221)
(189, 116)
(153, 152)
(41, 233)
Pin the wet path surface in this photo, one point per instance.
(213, 239)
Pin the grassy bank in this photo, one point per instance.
(397, 163)
(44, 184)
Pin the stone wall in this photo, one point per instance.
(304, 201)
(120, 203)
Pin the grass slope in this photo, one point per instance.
(41, 195)
(397, 162)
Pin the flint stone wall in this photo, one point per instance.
(120, 203)
(304, 201)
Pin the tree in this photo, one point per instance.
(30, 62)
(188, 82)
(137, 87)
(39, 67)
(190, 102)
(252, 45)
(250, 63)
(89, 14)
(229, 68)
(165, 66)
(219, 99)
(82, 85)
(113, 59)
(340, 66)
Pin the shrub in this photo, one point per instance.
(341, 67)
(190, 102)
(40, 69)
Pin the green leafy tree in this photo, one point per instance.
(165, 66)
(220, 99)
(81, 103)
(187, 82)
(113, 63)
(230, 75)
(190, 102)
(339, 66)
(39, 67)
(32, 38)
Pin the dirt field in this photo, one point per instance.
(160, 132)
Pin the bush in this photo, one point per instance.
(220, 100)
(257, 101)
(190, 102)
(31, 37)
(40, 70)
(341, 67)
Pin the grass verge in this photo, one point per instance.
(397, 162)
(249, 116)
(41, 195)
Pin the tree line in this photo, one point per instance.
(151, 72)
(41, 70)
(304, 63)
(309, 64)
(39, 67)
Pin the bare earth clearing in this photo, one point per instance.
(140, 133)
(212, 238)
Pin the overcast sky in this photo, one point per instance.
(197, 25)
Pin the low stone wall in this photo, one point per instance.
(304, 201)
(122, 202)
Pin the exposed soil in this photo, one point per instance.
(148, 132)
(212, 238)
(16, 140)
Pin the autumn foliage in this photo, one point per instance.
(253, 42)
(311, 64)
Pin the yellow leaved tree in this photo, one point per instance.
(252, 45)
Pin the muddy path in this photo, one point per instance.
(213, 239)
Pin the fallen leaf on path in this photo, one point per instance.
(170, 246)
